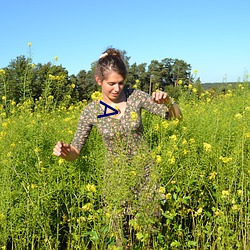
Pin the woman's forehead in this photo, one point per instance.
(113, 76)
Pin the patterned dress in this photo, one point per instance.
(128, 129)
(128, 180)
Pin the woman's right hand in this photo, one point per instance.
(62, 149)
(66, 151)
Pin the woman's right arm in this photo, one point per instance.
(70, 152)
(66, 151)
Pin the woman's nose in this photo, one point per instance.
(116, 87)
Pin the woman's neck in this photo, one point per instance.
(121, 98)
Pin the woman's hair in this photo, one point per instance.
(110, 60)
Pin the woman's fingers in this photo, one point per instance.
(61, 149)
(160, 97)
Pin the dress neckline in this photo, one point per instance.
(126, 91)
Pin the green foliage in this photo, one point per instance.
(201, 164)
(26, 80)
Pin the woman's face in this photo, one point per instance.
(112, 86)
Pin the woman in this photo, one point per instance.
(110, 74)
(122, 132)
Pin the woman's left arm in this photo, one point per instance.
(161, 97)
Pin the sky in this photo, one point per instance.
(212, 36)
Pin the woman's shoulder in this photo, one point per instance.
(91, 109)
(136, 93)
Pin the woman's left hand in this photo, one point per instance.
(161, 97)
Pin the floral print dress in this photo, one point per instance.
(127, 130)
(137, 190)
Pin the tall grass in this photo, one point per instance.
(203, 163)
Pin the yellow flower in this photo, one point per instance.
(207, 147)
(50, 97)
(91, 188)
(194, 90)
(238, 116)
(168, 196)
(96, 96)
(2, 72)
(180, 82)
(37, 149)
(190, 86)
(73, 85)
(164, 124)
(90, 217)
(239, 192)
(225, 193)
(29, 44)
(225, 159)
(135, 86)
(2, 217)
(218, 212)
(246, 108)
(173, 137)
(108, 215)
(87, 207)
(56, 58)
(60, 161)
(134, 116)
(171, 160)
(175, 122)
(235, 207)
(162, 190)
(191, 140)
(156, 127)
(198, 212)
(4, 124)
(184, 141)
(3, 97)
(51, 77)
(133, 173)
(137, 80)
(195, 71)
(212, 175)
(158, 159)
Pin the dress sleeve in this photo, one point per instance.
(84, 127)
(151, 106)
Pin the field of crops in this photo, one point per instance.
(203, 163)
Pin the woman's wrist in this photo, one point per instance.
(169, 102)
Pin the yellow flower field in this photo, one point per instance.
(202, 164)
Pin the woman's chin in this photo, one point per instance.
(114, 96)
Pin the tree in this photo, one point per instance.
(86, 84)
(18, 79)
(168, 72)
(181, 71)
(50, 79)
(137, 74)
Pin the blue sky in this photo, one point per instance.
(212, 36)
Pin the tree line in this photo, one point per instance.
(22, 79)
